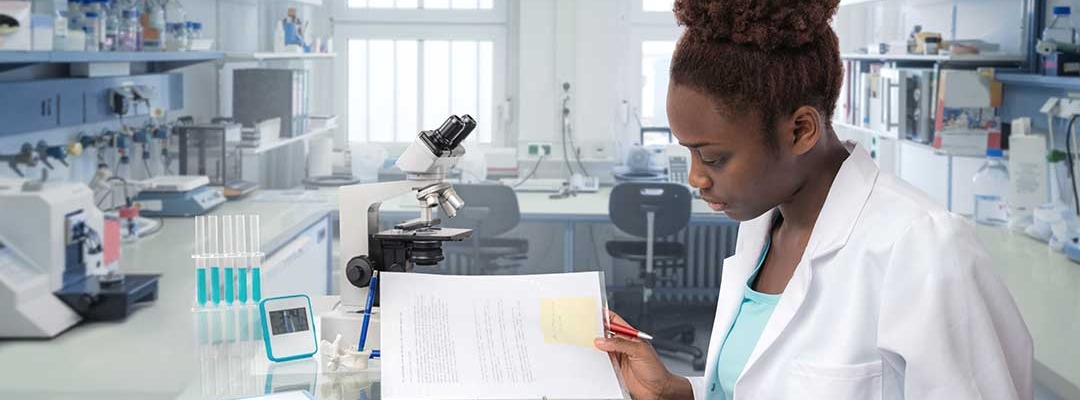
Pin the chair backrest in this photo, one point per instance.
(490, 210)
(630, 202)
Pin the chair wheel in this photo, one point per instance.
(699, 363)
(686, 338)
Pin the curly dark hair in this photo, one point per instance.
(770, 56)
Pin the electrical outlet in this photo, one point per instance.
(598, 151)
(535, 150)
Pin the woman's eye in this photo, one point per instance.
(714, 161)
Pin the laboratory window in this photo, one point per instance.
(425, 4)
(655, 65)
(399, 87)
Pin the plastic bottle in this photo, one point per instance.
(191, 34)
(112, 26)
(991, 188)
(1061, 28)
(91, 20)
(153, 24)
(177, 38)
(74, 15)
(130, 32)
(174, 12)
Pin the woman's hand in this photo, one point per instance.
(642, 371)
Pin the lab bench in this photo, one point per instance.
(150, 354)
(1044, 285)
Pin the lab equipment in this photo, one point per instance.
(211, 150)
(64, 253)
(153, 24)
(178, 196)
(176, 38)
(254, 258)
(416, 242)
(112, 18)
(15, 32)
(130, 32)
(199, 255)
(91, 24)
(288, 328)
(1061, 28)
(643, 164)
(260, 94)
(228, 260)
(907, 109)
(174, 13)
(215, 260)
(1028, 169)
(25, 156)
(991, 188)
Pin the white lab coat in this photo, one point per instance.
(894, 298)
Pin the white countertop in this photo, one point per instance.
(1046, 287)
(150, 354)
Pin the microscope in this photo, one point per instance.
(364, 249)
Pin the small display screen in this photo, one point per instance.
(288, 321)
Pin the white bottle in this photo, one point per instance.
(1028, 174)
(1061, 28)
(991, 187)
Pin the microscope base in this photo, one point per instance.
(349, 323)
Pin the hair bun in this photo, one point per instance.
(767, 24)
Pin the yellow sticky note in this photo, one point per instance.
(570, 320)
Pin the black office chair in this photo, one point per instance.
(652, 210)
(490, 211)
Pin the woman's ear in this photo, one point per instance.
(806, 129)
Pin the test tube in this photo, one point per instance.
(256, 260)
(242, 269)
(199, 251)
(227, 261)
(215, 261)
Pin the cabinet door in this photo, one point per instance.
(28, 106)
(300, 266)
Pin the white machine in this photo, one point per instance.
(416, 242)
(59, 261)
(178, 196)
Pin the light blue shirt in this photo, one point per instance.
(750, 320)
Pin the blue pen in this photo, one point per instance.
(375, 354)
(367, 309)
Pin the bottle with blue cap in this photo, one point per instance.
(1061, 28)
(991, 188)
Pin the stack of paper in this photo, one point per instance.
(494, 337)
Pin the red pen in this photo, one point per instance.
(627, 331)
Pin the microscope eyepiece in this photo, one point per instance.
(452, 132)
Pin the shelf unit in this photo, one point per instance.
(977, 59)
(1051, 82)
(276, 143)
(155, 61)
(271, 56)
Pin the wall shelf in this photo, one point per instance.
(945, 59)
(156, 61)
(1051, 82)
(269, 56)
(268, 145)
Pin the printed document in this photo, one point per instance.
(494, 337)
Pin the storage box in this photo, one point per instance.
(966, 120)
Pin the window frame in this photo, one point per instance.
(638, 35)
(638, 15)
(422, 27)
(498, 14)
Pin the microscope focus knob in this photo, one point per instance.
(359, 271)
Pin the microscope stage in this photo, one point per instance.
(433, 234)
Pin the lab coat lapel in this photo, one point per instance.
(736, 270)
(848, 195)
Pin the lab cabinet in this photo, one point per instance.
(29, 106)
(301, 265)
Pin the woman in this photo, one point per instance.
(845, 283)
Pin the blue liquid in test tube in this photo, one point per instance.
(200, 288)
(256, 285)
(242, 296)
(215, 284)
(230, 294)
